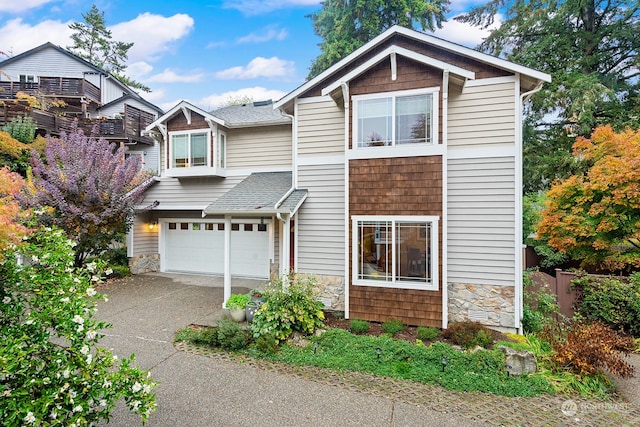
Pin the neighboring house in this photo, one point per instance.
(88, 93)
(394, 177)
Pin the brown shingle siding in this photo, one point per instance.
(396, 186)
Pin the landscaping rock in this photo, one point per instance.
(519, 362)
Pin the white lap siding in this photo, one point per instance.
(320, 223)
(481, 223)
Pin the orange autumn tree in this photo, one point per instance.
(595, 217)
(10, 230)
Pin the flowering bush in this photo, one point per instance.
(51, 370)
(291, 305)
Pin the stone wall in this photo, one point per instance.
(144, 263)
(330, 291)
(491, 305)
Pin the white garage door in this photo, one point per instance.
(196, 247)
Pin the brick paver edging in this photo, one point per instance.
(479, 407)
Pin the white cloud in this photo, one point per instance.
(256, 7)
(465, 34)
(170, 76)
(257, 93)
(269, 33)
(259, 67)
(17, 37)
(12, 6)
(139, 69)
(151, 34)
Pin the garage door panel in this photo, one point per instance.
(199, 248)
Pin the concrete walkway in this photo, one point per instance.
(200, 388)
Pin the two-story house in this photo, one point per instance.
(69, 88)
(394, 177)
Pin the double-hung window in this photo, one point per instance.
(395, 251)
(190, 149)
(397, 118)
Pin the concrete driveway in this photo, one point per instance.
(194, 390)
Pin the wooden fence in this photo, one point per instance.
(560, 286)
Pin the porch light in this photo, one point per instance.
(153, 224)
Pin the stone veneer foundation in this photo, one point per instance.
(491, 305)
(144, 263)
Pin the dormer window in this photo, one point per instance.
(396, 118)
(190, 149)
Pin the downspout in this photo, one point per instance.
(445, 184)
(518, 303)
(347, 254)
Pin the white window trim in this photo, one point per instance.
(221, 154)
(433, 245)
(190, 132)
(434, 91)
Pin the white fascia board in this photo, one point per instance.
(426, 38)
(180, 107)
(465, 51)
(397, 50)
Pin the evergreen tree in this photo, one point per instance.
(93, 41)
(345, 25)
(590, 49)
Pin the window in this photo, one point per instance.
(189, 149)
(222, 150)
(397, 119)
(399, 252)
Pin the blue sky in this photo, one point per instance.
(206, 52)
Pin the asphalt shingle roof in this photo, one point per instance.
(257, 113)
(258, 194)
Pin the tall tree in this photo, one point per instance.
(590, 49)
(345, 25)
(90, 187)
(92, 40)
(595, 216)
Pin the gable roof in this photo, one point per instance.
(185, 108)
(234, 116)
(135, 97)
(49, 45)
(261, 193)
(418, 36)
(251, 114)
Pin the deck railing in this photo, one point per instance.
(52, 86)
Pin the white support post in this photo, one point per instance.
(227, 259)
(286, 246)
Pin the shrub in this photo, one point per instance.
(206, 336)
(358, 326)
(267, 343)
(291, 306)
(611, 301)
(539, 306)
(589, 347)
(393, 326)
(231, 336)
(21, 129)
(52, 371)
(428, 333)
(468, 334)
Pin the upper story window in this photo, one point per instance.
(190, 149)
(396, 118)
(222, 149)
